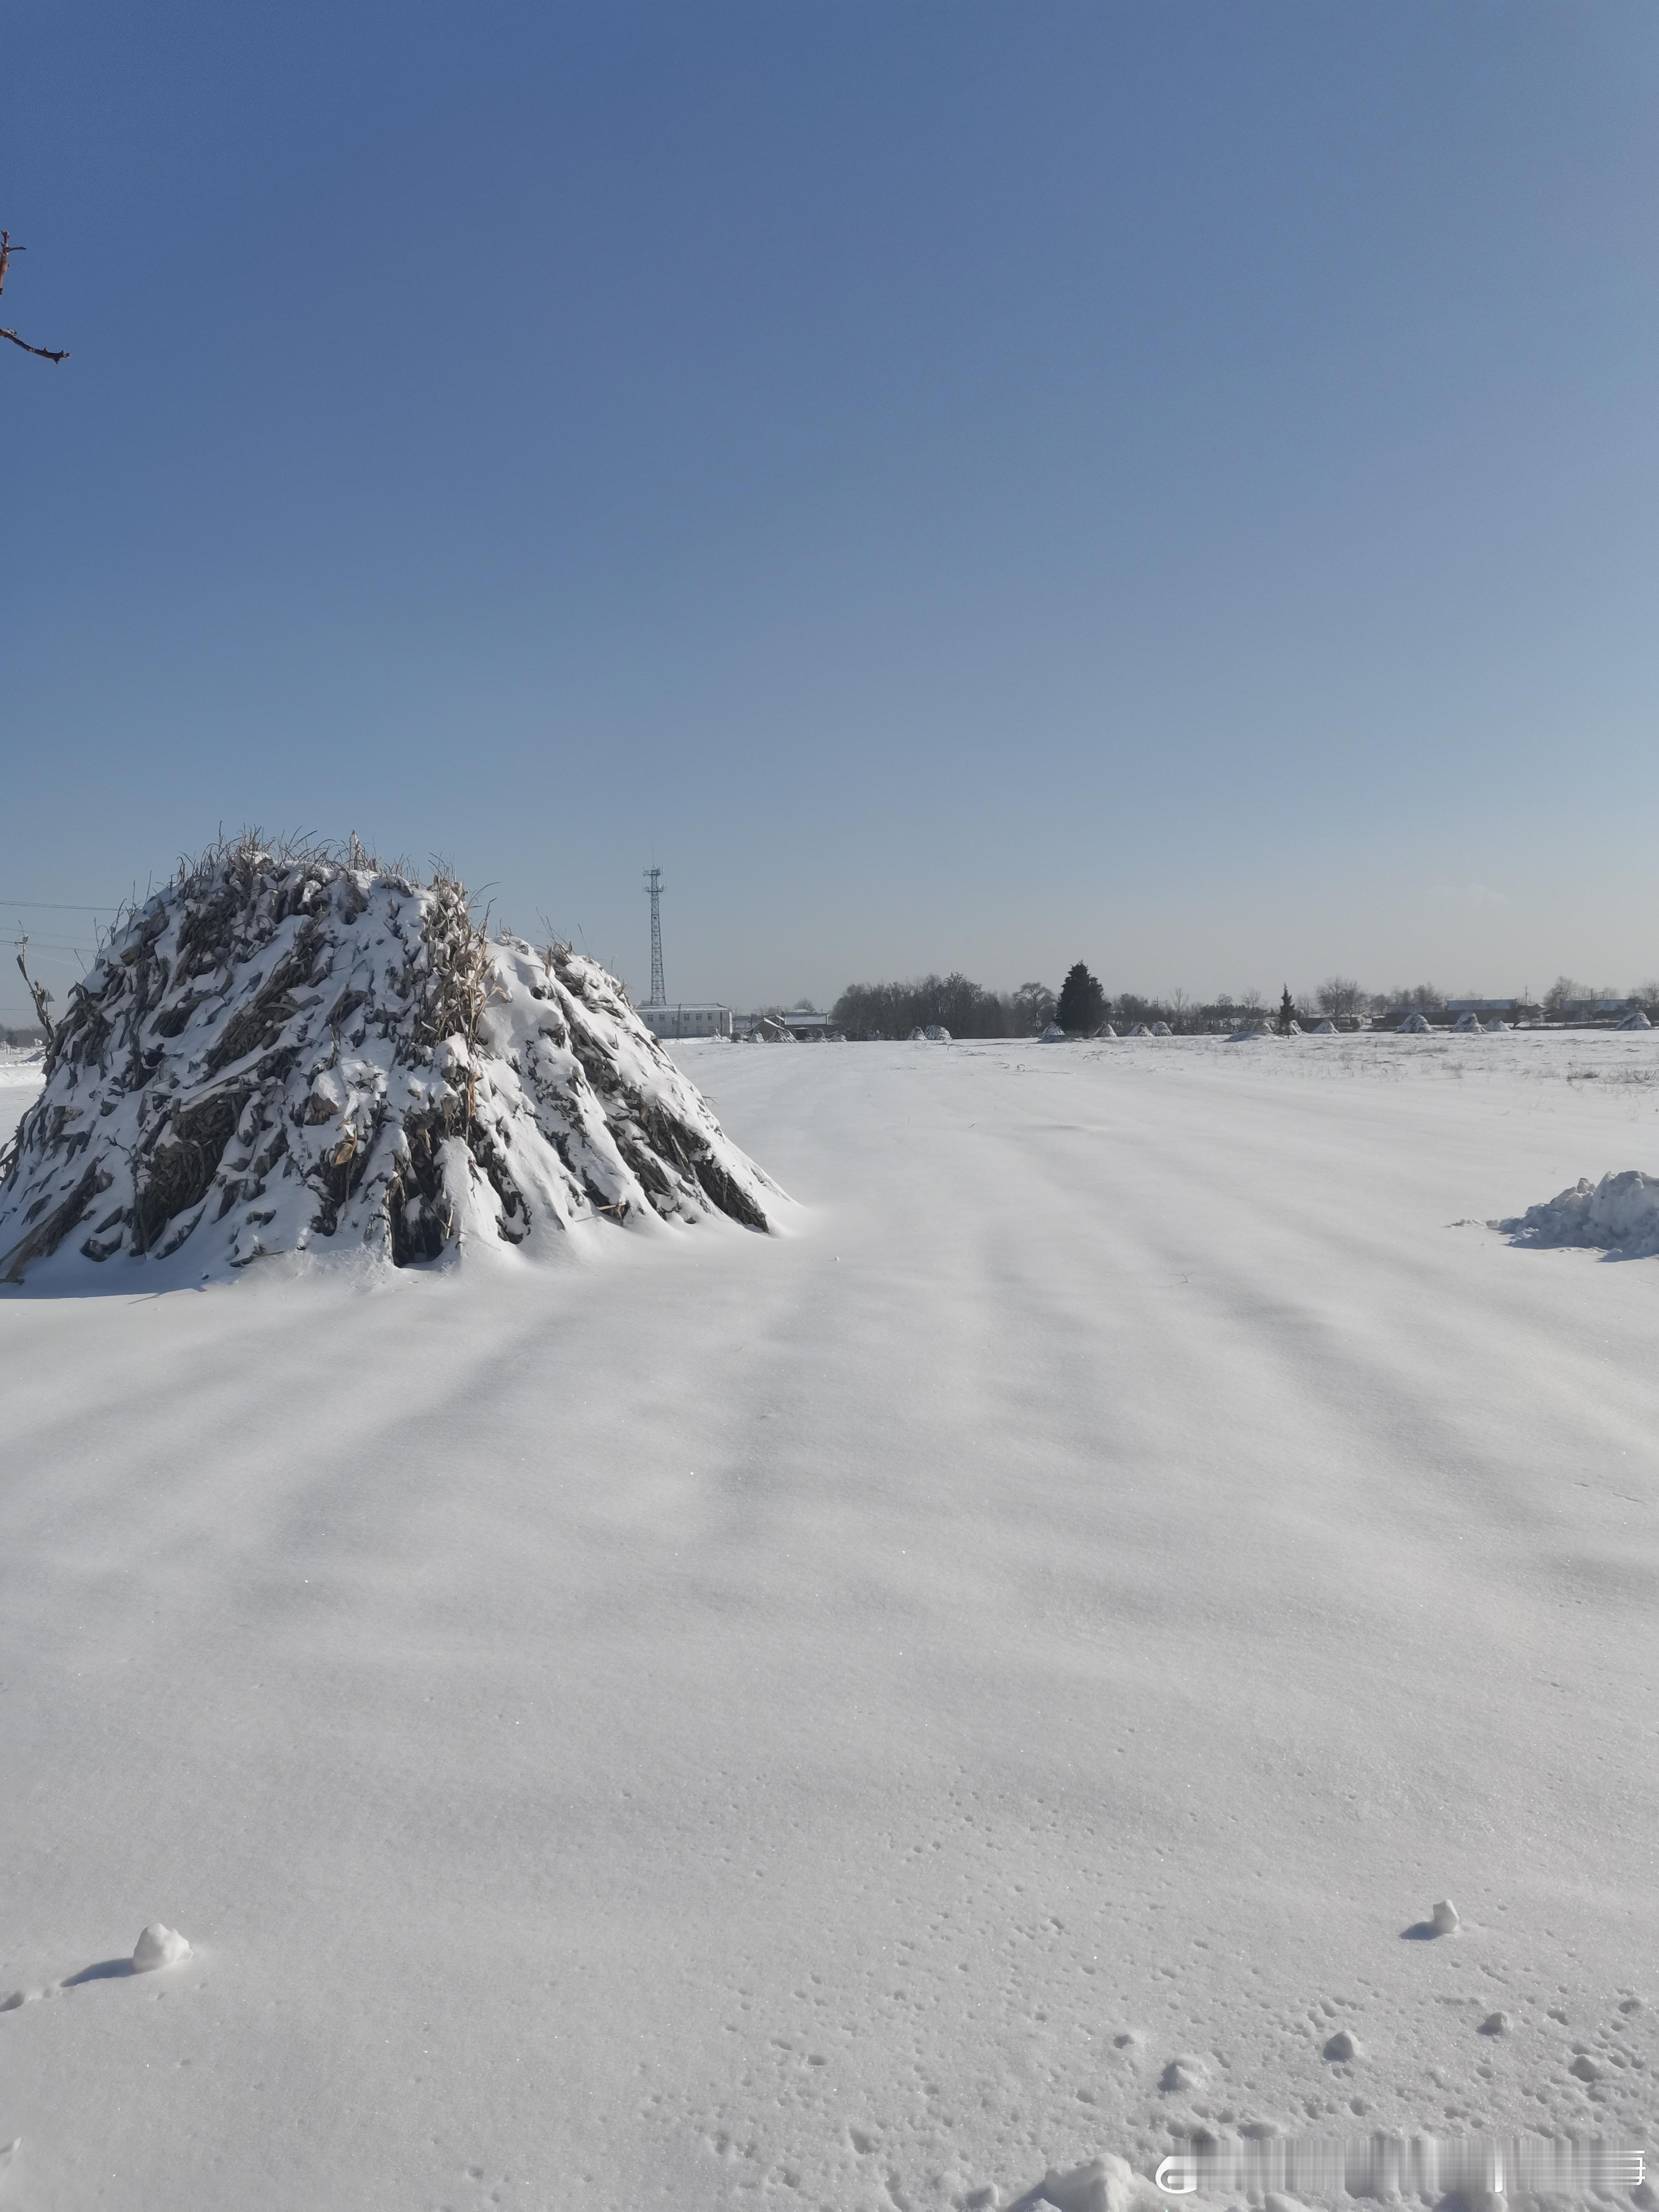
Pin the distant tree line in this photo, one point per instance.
(967, 1009)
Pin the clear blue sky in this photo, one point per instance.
(1171, 485)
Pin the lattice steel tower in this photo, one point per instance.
(654, 885)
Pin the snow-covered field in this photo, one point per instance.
(828, 1719)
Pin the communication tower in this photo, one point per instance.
(654, 885)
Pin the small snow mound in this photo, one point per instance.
(158, 1946)
(1621, 1214)
(1413, 1025)
(1342, 2047)
(1444, 1918)
(302, 1049)
(1635, 1019)
(1184, 2073)
(1250, 1033)
(1104, 2184)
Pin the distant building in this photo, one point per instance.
(686, 1021)
(808, 1027)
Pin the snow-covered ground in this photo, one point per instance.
(828, 1719)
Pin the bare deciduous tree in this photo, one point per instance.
(41, 353)
(1563, 993)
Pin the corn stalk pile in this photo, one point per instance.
(293, 1048)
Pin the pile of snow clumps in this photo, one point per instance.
(1620, 1214)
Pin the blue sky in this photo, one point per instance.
(1171, 485)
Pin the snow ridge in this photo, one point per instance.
(286, 1050)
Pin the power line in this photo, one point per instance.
(54, 906)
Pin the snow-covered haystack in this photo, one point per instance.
(1468, 1026)
(1052, 1034)
(293, 1048)
(1635, 1019)
(1323, 1029)
(1160, 1029)
(1413, 1025)
(1621, 1214)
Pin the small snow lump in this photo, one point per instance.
(158, 1947)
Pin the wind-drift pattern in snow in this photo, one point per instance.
(1621, 1214)
(281, 1051)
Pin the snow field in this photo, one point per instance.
(872, 1717)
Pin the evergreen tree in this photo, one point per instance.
(1081, 1005)
(1286, 1012)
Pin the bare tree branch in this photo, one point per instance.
(40, 353)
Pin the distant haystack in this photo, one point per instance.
(1141, 1030)
(1468, 1026)
(293, 1048)
(1323, 1029)
(1052, 1034)
(1413, 1025)
(1250, 1033)
(1160, 1029)
(1105, 1031)
(1635, 1019)
(936, 1033)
